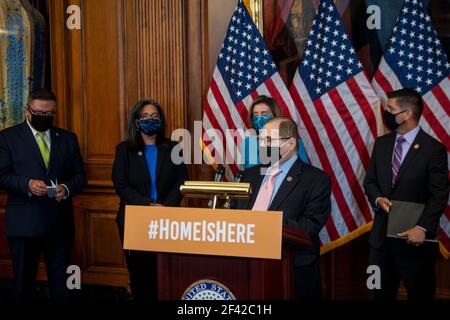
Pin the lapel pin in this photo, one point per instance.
(289, 179)
(57, 134)
(416, 146)
(140, 153)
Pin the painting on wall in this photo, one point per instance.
(22, 56)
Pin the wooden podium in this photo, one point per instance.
(217, 253)
(247, 278)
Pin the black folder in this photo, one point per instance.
(403, 216)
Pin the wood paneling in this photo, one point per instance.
(125, 51)
(132, 49)
(155, 32)
(102, 79)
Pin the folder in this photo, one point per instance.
(403, 216)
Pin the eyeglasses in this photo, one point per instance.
(147, 116)
(268, 140)
(41, 113)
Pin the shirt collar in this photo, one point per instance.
(34, 131)
(410, 135)
(286, 166)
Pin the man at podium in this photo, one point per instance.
(283, 182)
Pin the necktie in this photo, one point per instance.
(43, 147)
(397, 158)
(265, 193)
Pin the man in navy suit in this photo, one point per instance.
(301, 191)
(39, 220)
(406, 165)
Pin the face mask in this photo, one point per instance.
(41, 123)
(389, 119)
(150, 126)
(270, 155)
(259, 121)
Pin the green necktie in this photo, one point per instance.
(43, 147)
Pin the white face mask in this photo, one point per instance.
(271, 155)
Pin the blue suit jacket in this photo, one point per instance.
(20, 161)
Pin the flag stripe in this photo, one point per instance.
(332, 157)
(445, 225)
(382, 81)
(320, 151)
(223, 147)
(222, 105)
(442, 98)
(352, 129)
(277, 96)
(343, 158)
(444, 238)
(364, 104)
(435, 125)
(286, 99)
(447, 211)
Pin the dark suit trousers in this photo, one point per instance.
(307, 284)
(415, 265)
(26, 253)
(142, 267)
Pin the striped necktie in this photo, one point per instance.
(397, 158)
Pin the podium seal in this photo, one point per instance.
(207, 290)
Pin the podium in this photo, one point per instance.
(216, 254)
(246, 278)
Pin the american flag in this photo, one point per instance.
(341, 114)
(414, 58)
(244, 70)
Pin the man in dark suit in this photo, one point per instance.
(302, 192)
(408, 165)
(39, 220)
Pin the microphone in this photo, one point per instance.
(239, 175)
(237, 178)
(220, 171)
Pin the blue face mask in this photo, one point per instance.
(150, 126)
(259, 121)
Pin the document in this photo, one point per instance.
(403, 216)
(52, 189)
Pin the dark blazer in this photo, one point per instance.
(132, 180)
(20, 161)
(305, 202)
(422, 178)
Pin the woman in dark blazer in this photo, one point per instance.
(144, 174)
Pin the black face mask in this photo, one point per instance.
(41, 123)
(389, 120)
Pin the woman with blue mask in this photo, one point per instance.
(144, 174)
(261, 110)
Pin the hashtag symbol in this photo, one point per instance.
(153, 229)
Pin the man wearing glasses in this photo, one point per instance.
(283, 182)
(41, 169)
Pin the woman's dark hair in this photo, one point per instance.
(134, 136)
(270, 102)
